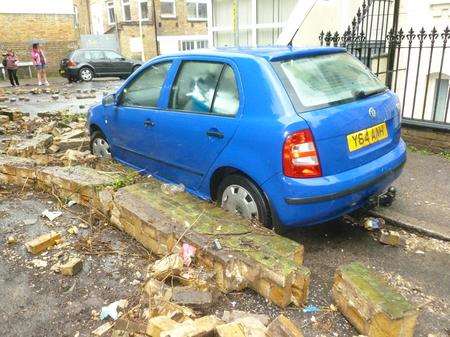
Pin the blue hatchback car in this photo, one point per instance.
(286, 136)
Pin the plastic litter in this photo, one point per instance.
(111, 309)
(217, 245)
(311, 309)
(51, 215)
(373, 223)
(71, 203)
(187, 253)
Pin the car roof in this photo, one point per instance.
(273, 53)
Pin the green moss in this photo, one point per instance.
(375, 289)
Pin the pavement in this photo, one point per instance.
(423, 196)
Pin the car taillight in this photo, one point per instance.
(300, 158)
(71, 63)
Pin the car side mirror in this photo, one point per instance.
(122, 59)
(109, 100)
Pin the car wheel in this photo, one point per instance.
(99, 145)
(240, 195)
(135, 68)
(86, 74)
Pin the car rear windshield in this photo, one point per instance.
(326, 80)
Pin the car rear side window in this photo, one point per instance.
(145, 90)
(94, 55)
(226, 101)
(326, 80)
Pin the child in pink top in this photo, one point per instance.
(40, 62)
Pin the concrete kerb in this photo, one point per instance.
(250, 256)
(410, 224)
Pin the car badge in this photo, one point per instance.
(372, 113)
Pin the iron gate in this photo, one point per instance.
(414, 63)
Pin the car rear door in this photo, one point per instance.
(202, 115)
(119, 65)
(131, 122)
(97, 59)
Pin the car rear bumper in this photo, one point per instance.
(304, 202)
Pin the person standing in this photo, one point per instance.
(39, 61)
(11, 67)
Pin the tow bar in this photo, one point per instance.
(386, 199)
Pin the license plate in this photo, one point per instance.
(363, 138)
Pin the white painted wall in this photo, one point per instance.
(97, 19)
(37, 6)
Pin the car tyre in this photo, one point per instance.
(236, 193)
(99, 145)
(135, 68)
(86, 74)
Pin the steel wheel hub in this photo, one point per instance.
(86, 74)
(100, 148)
(237, 199)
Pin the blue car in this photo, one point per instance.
(286, 136)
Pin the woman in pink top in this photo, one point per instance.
(39, 61)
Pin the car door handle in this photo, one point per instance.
(214, 133)
(148, 123)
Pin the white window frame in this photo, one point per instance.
(169, 16)
(197, 2)
(126, 3)
(140, 10)
(109, 6)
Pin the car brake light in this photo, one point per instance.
(300, 158)
(71, 63)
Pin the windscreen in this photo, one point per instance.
(329, 79)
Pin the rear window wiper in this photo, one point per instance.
(367, 93)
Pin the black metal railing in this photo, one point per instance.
(414, 64)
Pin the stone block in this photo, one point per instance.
(370, 305)
(159, 324)
(72, 267)
(43, 242)
(230, 330)
(27, 147)
(283, 327)
(17, 170)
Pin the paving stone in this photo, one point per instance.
(72, 267)
(251, 257)
(374, 308)
(283, 327)
(41, 243)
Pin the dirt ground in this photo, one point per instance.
(37, 302)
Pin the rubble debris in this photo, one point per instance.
(230, 330)
(231, 316)
(85, 96)
(311, 309)
(391, 238)
(103, 329)
(191, 297)
(370, 305)
(170, 265)
(51, 215)
(216, 244)
(39, 263)
(111, 310)
(72, 267)
(11, 240)
(73, 230)
(159, 324)
(43, 242)
(203, 326)
(283, 327)
(36, 145)
(373, 223)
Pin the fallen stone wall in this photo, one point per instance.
(247, 256)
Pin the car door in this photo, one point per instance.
(201, 118)
(97, 59)
(118, 64)
(131, 122)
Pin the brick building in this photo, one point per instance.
(53, 23)
(180, 25)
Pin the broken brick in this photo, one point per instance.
(191, 297)
(370, 305)
(41, 243)
(72, 267)
(230, 330)
(159, 324)
(170, 265)
(283, 327)
(391, 238)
